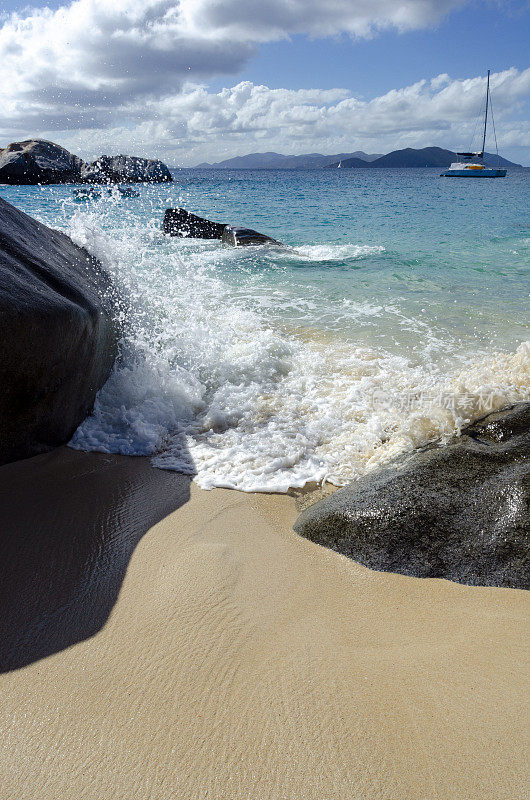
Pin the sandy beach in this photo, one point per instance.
(187, 644)
(264, 400)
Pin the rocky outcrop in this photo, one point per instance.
(244, 237)
(126, 169)
(58, 338)
(459, 511)
(38, 161)
(179, 222)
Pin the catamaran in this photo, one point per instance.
(471, 164)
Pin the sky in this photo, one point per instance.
(203, 80)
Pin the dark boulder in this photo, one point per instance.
(38, 161)
(58, 338)
(179, 222)
(126, 169)
(244, 237)
(459, 511)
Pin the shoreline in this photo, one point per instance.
(221, 655)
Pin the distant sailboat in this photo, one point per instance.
(339, 165)
(471, 165)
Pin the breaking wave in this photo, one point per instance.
(228, 373)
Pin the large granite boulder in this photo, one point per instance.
(58, 338)
(38, 161)
(179, 222)
(459, 511)
(126, 169)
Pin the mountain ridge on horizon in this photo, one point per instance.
(404, 158)
(273, 160)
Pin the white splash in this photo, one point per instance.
(212, 384)
(338, 252)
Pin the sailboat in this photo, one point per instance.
(471, 164)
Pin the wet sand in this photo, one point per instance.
(165, 642)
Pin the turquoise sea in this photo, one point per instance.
(400, 313)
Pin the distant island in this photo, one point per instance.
(279, 161)
(409, 157)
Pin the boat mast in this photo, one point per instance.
(486, 115)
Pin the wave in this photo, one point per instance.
(338, 252)
(211, 384)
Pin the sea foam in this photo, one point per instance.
(213, 381)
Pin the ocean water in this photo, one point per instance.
(400, 313)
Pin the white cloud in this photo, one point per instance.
(132, 75)
(198, 125)
(84, 63)
(264, 20)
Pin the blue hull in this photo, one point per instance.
(474, 173)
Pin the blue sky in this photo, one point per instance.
(467, 42)
(230, 90)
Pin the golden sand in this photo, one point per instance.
(232, 660)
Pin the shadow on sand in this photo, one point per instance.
(69, 524)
